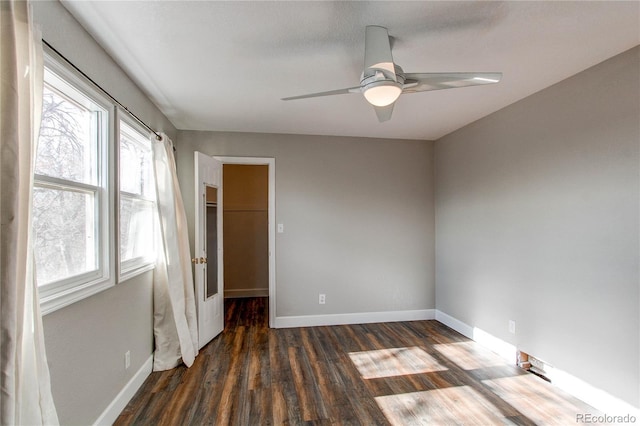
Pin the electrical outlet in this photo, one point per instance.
(322, 299)
(512, 327)
(127, 360)
(280, 228)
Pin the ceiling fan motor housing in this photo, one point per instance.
(377, 75)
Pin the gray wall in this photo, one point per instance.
(357, 214)
(537, 221)
(86, 341)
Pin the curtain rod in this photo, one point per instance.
(158, 137)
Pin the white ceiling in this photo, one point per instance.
(225, 65)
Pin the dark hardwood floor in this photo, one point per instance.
(404, 373)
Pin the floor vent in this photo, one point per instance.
(533, 365)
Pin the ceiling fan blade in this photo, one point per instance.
(450, 80)
(329, 93)
(384, 113)
(377, 50)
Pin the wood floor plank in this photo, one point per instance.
(417, 372)
(286, 406)
(311, 406)
(228, 397)
(321, 372)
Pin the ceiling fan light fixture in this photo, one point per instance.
(382, 93)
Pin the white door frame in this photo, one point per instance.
(271, 162)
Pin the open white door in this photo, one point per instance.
(208, 248)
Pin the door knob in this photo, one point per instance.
(195, 260)
(203, 260)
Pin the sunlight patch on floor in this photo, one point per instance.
(469, 355)
(394, 362)
(536, 399)
(455, 405)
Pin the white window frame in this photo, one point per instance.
(61, 293)
(130, 268)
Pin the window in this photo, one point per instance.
(78, 200)
(137, 201)
(71, 194)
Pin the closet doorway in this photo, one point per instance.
(249, 228)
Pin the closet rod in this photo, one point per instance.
(158, 137)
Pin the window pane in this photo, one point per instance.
(135, 162)
(67, 147)
(136, 228)
(64, 231)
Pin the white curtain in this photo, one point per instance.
(175, 324)
(25, 389)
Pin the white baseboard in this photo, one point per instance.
(506, 350)
(111, 413)
(593, 396)
(357, 318)
(597, 398)
(246, 292)
(456, 324)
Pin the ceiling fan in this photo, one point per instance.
(382, 81)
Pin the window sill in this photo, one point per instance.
(131, 272)
(61, 299)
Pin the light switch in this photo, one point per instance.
(280, 228)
